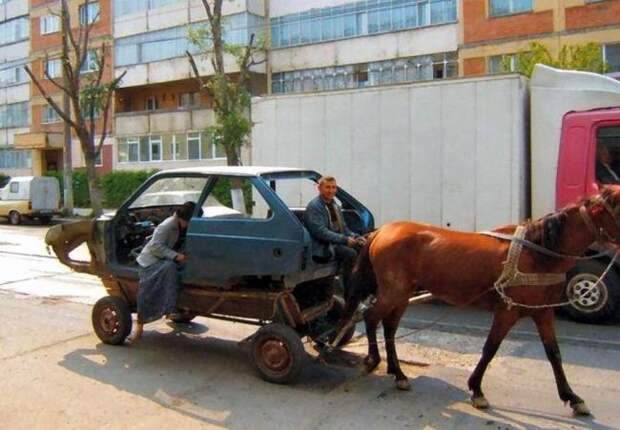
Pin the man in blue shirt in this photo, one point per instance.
(331, 238)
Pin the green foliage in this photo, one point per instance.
(587, 57)
(117, 186)
(81, 196)
(4, 179)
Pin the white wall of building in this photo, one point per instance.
(451, 153)
(15, 93)
(15, 51)
(406, 43)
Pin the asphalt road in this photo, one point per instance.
(55, 373)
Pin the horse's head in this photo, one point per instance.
(605, 212)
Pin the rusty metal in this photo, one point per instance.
(275, 354)
(65, 238)
(108, 321)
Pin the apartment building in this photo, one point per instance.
(45, 138)
(492, 29)
(14, 87)
(336, 44)
(161, 115)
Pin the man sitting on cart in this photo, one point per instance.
(331, 238)
(159, 262)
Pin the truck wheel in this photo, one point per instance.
(111, 319)
(15, 218)
(592, 302)
(45, 220)
(278, 353)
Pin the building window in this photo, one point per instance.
(15, 159)
(14, 30)
(98, 157)
(53, 68)
(155, 143)
(14, 115)
(125, 7)
(49, 24)
(91, 62)
(611, 55)
(151, 103)
(502, 64)
(359, 19)
(508, 7)
(89, 13)
(173, 42)
(13, 74)
(178, 147)
(189, 100)
(420, 68)
(49, 115)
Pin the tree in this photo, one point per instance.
(587, 57)
(230, 95)
(83, 84)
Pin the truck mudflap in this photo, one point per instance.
(64, 238)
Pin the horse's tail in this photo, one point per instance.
(362, 282)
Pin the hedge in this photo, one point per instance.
(116, 186)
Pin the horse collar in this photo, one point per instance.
(511, 275)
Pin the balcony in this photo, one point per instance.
(162, 121)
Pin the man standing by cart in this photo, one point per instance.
(159, 262)
(331, 238)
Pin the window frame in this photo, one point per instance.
(511, 7)
(49, 24)
(57, 69)
(86, 15)
(45, 118)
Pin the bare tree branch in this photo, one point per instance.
(114, 84)
(201, 82)
(50, 101)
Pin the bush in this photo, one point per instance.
(115, 186)
(118, 186)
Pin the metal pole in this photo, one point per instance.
(67, 159)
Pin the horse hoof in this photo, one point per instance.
(480, 402)
(580, 408)
(403, 384)
(370, 365)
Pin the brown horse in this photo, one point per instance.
(461, 269)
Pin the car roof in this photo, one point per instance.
(235, 170)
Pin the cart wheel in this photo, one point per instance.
(334, 315)
(278, 353)
(111, 320)
(15, 218)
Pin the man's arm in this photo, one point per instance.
(158, 247)
(318, 229)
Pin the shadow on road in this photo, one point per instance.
(212, 381)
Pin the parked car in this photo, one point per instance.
(249, 257)
(30, 197)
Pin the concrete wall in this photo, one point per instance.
(178, 121)
(407, 43)
(450, 153)
(15, 93)
(15, 51)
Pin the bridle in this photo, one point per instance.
(600, 234)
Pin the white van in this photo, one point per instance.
(30, 197)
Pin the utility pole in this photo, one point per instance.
(67, 171)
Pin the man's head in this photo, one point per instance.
(327, 188)
(602, 154)
(184, 213)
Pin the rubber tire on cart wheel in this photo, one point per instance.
(278, 353)
(592, 306)
(15, 218)
(111, 320)
(45, 220)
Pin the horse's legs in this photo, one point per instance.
(373, 358)
(545, 324)
(503, 320)
(390, 325)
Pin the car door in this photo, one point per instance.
(244, 231)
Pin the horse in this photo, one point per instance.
(462, 268)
